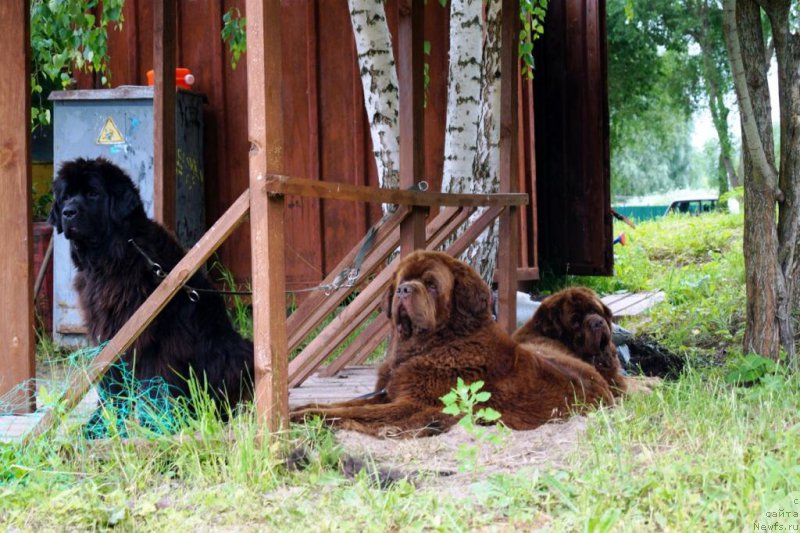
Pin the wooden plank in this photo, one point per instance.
(613, 298)
(304, 245)
(17, 343)
(509, 166)
(277, 184)
(164, 40)
(360, 348)
(529, 150)
(320, 304)
(410, 74)
(528, 274)
(265, 128)
(473, 231)
(143, 316)
(633, 304)
(351, 318)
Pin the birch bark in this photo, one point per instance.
(379, 81)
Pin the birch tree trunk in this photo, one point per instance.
(770, 248)
(463, 96)
(472, 138)
(379, 81)
(483, 253)
(472, 132)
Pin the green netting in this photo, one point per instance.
(124, 400)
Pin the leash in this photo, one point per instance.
(192, 293)
(369, 395)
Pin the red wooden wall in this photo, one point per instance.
(325, 123)
(572, 155)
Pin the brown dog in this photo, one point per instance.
(574, 324)
(440, 309)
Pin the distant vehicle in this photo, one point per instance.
(693, 206)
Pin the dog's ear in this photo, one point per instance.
(387, 301)
(607, 313)
(547, 322)
(471, 295)
(54, 218)
(124, 198)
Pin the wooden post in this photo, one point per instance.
(509, 166)
(265, 127)
(17, 342)
(164, 16)
(410, 75)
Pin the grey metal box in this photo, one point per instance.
(118, 124)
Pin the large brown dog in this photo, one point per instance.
(440, 309)
(112, 242)
(574, 325)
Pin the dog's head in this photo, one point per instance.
(90, 198)
(574, 316)
(432, 291)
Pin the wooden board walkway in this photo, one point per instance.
(349, 383)
(632, 303)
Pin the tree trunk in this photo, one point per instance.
(483, 253)
(787, 53)
(472, 134)
(765, 285)
(379, 80)
(463, 96)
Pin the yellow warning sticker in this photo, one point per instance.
(110, 133)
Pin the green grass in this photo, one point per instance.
(699, 454)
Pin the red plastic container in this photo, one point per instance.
(184, 79)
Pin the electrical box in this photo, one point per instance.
(118, 124)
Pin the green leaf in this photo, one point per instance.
(476, 386)
(490, 415)
(452, 410)
(483, 396)
(449, 398)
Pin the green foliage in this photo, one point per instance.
(240, 313)
(462, 401)
(234, 32)
(41, 205)
(665, 59)
(532, 14)
(67, 35)
(750, 369)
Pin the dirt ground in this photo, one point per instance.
(540, 449)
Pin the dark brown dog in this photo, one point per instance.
(99, 210)
(440, 309)
(574, 324)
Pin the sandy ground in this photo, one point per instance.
(540, 449)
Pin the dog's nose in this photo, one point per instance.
(596, 323)
(404, 290)
(69, 212)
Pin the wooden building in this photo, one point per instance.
(564, 123)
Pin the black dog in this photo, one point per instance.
(112, 242)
